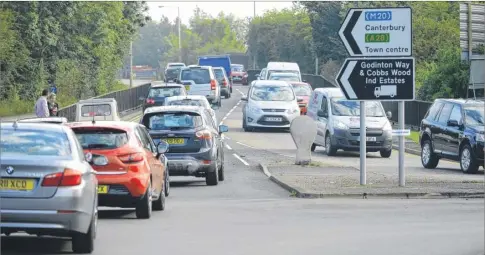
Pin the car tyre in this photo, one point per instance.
(221, 171)
(329, 149)
(314, 146)
(386, 153)
(167, 183)
(429, 159)
(84, 243)
(212, 178)
(159, 204)
(468, 163)
(144, 207)
(245, 125)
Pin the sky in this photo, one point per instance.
(238, 9)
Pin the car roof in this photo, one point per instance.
(168, 85)
(44, 120)
(98, 100)
(123, 125)
(283, 74)
(176, 63)
(171, 108)
(271, 83)
(34, 126)
(332, 92)
(461, 101)
(191, 97)
(298, 83)
(196, 67)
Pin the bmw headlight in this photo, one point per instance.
(480, 137)
(339, 125)
(253, 109)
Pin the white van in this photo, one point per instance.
(201, 80)
(282, 67)
(338, 123)
(97, 109)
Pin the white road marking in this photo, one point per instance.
(229, 113)
(266, 172)
(245, 145)
(242, 94)
(240, 159)
(228, 147)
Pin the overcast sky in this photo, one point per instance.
(238, 9)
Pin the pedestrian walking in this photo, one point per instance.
(41, 108)
(53, 105)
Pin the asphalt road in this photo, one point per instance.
(248, 214)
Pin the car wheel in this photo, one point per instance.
(84, 243)
(231, 88)
(212, 178)
(245, 125)
(144, 208)
(167, 183)
(386, 153)
(221, 171)
(220, 102)
(429, 159)
(328, 146)
(159, 204)
(468, 162)
(314, 146)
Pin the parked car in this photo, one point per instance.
(303, 91)
(196, 147)
(201, 80)
(131, 169)
(200, 101)
(270, 104)
(157, 94)
(51, 120)
(238, 73)
(226, 86)
(47, 187)
(338, 123)
(290, 77)
(97, 109)
(453, 129)
(172, 73)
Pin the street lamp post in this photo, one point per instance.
(178, 27)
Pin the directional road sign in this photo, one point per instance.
(383, 32)
(383, 79)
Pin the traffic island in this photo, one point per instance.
(320, 180)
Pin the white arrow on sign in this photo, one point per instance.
(343, 79)
(377, 32)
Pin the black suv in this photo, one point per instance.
(157, 94)
(453, 129)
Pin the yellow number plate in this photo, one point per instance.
(17, 184)
(103, 189)
(177, 141)
(187, 87)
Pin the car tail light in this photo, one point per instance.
(69, 177)
(224, 83)
(204, 134)
(150, 101)
(131, 158)
(213, 85)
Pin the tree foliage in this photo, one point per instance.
(78, 45)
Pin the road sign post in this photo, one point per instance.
(385, 71)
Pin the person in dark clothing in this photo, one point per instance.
(52, 105)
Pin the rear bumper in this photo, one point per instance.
(124, 189)
(70, 210)
(191, 164)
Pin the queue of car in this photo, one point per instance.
(57, 172)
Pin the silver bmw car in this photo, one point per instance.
(47, 187)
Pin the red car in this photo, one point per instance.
(238, 74)
(303, 91)
(131, 170)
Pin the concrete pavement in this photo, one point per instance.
(249, 214)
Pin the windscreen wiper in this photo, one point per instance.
(96, 146)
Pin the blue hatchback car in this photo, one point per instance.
(196, 147)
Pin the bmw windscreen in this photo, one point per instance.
(272, 93)
(24, 142)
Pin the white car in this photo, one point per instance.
(201, 80)
(270, 104)
(193, 100)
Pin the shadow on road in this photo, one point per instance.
(14, 245)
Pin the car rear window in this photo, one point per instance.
(176, 65)
(172, 120)
(237, 68)
(219, 73)
(103, 138)
(31, 142)
(302, 89)
(190, 102)
(173, 72)
(96, 110)
(198, 75)
(164, 92)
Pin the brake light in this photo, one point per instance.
(213, 85)
(150, 101)
(69, 177)
(204, 135)
(131, 158)
(224, 83)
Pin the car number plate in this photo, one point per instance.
(187, 87)
(16, 184)
(176, 141)
(274, 119)
(103, 189)
(369, 138)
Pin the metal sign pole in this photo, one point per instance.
(363, 143)
(402, 174)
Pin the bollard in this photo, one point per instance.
(303, 131)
